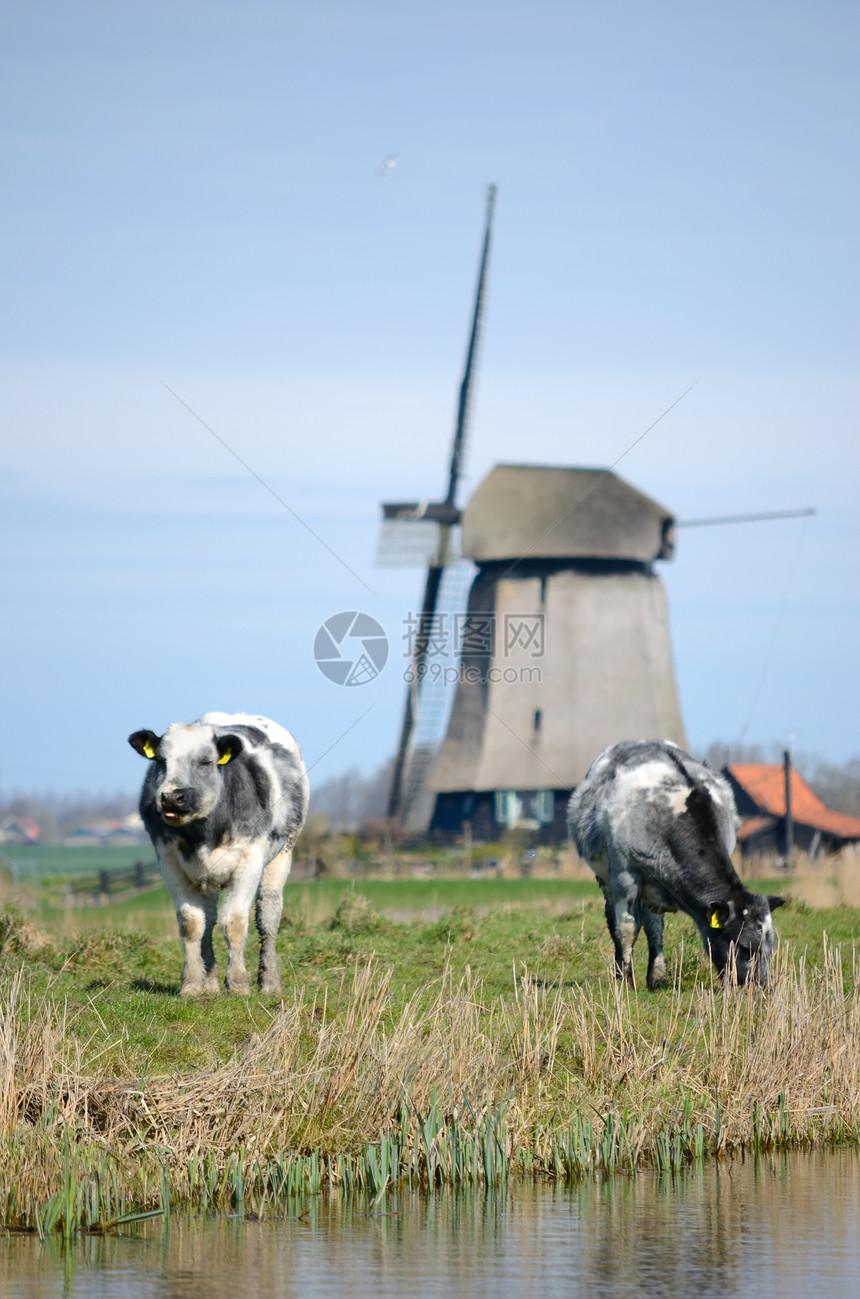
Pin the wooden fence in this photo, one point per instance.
(142, 875)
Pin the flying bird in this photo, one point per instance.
(388, 165)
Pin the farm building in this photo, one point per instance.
(760, 796)
(19, 829)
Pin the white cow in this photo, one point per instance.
(223, 801)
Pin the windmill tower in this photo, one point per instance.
(565, 644)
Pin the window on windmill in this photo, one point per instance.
(507, 809)
(544, 805)
(527, 808)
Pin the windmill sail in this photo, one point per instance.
(769, 516)
(428, 530)
(471, 357)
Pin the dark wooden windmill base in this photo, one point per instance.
(454, 811)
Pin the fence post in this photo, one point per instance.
(789, 820)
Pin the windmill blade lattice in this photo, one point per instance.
(435, 694)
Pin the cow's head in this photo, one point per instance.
(741, 936)
(188, 769)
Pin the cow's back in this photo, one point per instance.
(251, 721)
(634, 793)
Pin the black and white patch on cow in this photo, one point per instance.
(658, 829)
(223, 802)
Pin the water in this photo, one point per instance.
(786, 1225)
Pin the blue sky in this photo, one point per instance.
(192, 203)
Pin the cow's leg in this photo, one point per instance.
(609, 912)
(652, 923)
(625, 921)
(270, 905)
(195, 915)
(627, 929)
(235, 908)
(211, 982)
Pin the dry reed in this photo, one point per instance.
(826, 881)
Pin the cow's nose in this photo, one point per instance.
(175, 800)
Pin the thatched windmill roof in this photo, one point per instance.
(521, 512)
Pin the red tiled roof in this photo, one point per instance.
(753, 824)
(23, 825)
(766, 787)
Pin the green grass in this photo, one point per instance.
(66, 860)
(405, 898)
(117, 967)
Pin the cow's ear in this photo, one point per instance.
(229, 747)
(145, 743)
(718, 914)
(774, 902)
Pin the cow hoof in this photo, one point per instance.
(657, 972)
(239, 987)
(192, 990)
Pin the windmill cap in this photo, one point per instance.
(557, 512)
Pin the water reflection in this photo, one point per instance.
(786, 1225)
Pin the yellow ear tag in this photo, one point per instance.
(148, 749)
(225, 757)
(714, 921)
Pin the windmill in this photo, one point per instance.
(424, 532)
(563, 648)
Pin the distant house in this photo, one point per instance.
(759, 791)
(101, 831)
(19, 829)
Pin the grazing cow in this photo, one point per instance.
(658, 828)
(223, 801)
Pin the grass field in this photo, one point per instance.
(35, 861)
(452, 1031)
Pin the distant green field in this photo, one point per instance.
(305, 901)
(412, 897)
(42, 860)
(49, 901)
(46, 869)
